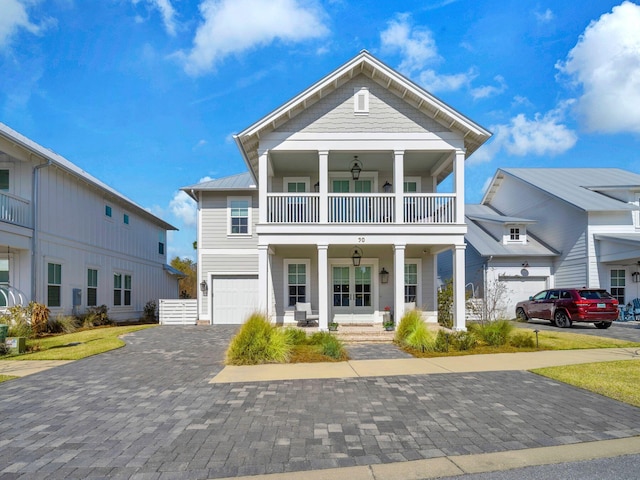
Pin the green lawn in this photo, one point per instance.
(4, 378)
(75, 346)
(619, 380)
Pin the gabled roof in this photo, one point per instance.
(579, 187)
(487, 245)
(363, 63)
(69, 167)
(240, 181)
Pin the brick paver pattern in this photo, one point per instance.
(147, 411)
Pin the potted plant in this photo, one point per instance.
(333, 326)
(388, 325)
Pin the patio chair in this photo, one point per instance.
(636, 308)
(304, 315)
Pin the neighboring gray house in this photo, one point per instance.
(539, 228)
(342, 206)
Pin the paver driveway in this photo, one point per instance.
(148, 411)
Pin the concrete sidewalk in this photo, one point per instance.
(22, 368)
(422, 366)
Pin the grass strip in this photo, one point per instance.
(4, 378)
(618, 379)
(74, 346)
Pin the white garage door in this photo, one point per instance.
(521, 288)
(234, 298)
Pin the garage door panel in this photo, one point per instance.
(234, 298)
(520, 288)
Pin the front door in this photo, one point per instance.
(352, 293)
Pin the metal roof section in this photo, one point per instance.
(69, 167)
(363, 63)
(581, 187)
(487, 245)
(484, 213)
(240, 181)
(174, 271)
(632, 239)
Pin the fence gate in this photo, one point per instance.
(178, 312)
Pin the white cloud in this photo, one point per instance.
(184, 208)
(166, 10)
(487, 91)
(418, 51)
(541, 135)
(545, 16)
(234, 26)
(13, 18)
(606, 63)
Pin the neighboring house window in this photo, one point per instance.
(108, 211)
(514, 234)
(618, 285)
(4, 281)
(125, 219)
(361, 101)
(121, 289)
(54, 284)
(92, 287)
(239, 212)
(161, 242)
(4, 179)
(410, 282)
(297, 281)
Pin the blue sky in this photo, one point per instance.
(146, 94)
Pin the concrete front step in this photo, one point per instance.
(364, 334)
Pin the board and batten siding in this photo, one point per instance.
(562, 226)
(387, 113)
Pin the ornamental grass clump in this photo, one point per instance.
(494, 334)
(258, 341)
(329, 344)
(412, 332)
(522, 340)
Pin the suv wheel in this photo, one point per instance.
(561, 319)
(521, 316)
(602, 325)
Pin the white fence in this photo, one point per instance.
(178, 312)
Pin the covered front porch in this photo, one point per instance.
(355, 284)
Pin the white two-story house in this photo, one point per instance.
(540, 228)
(341, 205)
(69, 241)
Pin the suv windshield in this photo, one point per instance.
(594, 294)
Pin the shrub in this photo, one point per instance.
(445, 304)
(464, 341)
(96, 317)
(443, 341)
(149, 312)
(258, 342)
(296, 336)
(62, 324)
(409, 322)
(39, 318)
(278, 346)
(495, 333)
(413, 332)
(330, 345)
(19, 320)
(522, 340)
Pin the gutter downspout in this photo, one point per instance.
(34, 239)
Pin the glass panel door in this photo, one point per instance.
(353, 290)
(363, 286)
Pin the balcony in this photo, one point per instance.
(15, 210)
(370, 208)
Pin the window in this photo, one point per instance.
(54, 284)
(296, 283)
(514, 234)
(108, 211)
(239, 210)
(121, 290)
(4, 279)
(410, 282)
(161, 242)
(4, 179)
(361, 101)
(125, 219)
(618, 284)
(410, 187)
(92, 287)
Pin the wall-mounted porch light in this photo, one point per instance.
(316, 187)
(356, 256)
(387, 187)
(356, 168)
(384, 275)
(635, 277)
(203, 287)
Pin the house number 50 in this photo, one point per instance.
(361, 239)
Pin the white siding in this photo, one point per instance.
(214, 223)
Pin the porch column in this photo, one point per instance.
(263, 280)
(323, 294)
(323, 178)
(458, 169)
(398, 281)
(263, 185)
(398, 187)
(459, 322)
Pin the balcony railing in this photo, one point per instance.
(15, 210)
(368, 208)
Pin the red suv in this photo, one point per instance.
(563, 306)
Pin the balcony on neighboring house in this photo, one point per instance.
(370, 208)
(15, 210)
